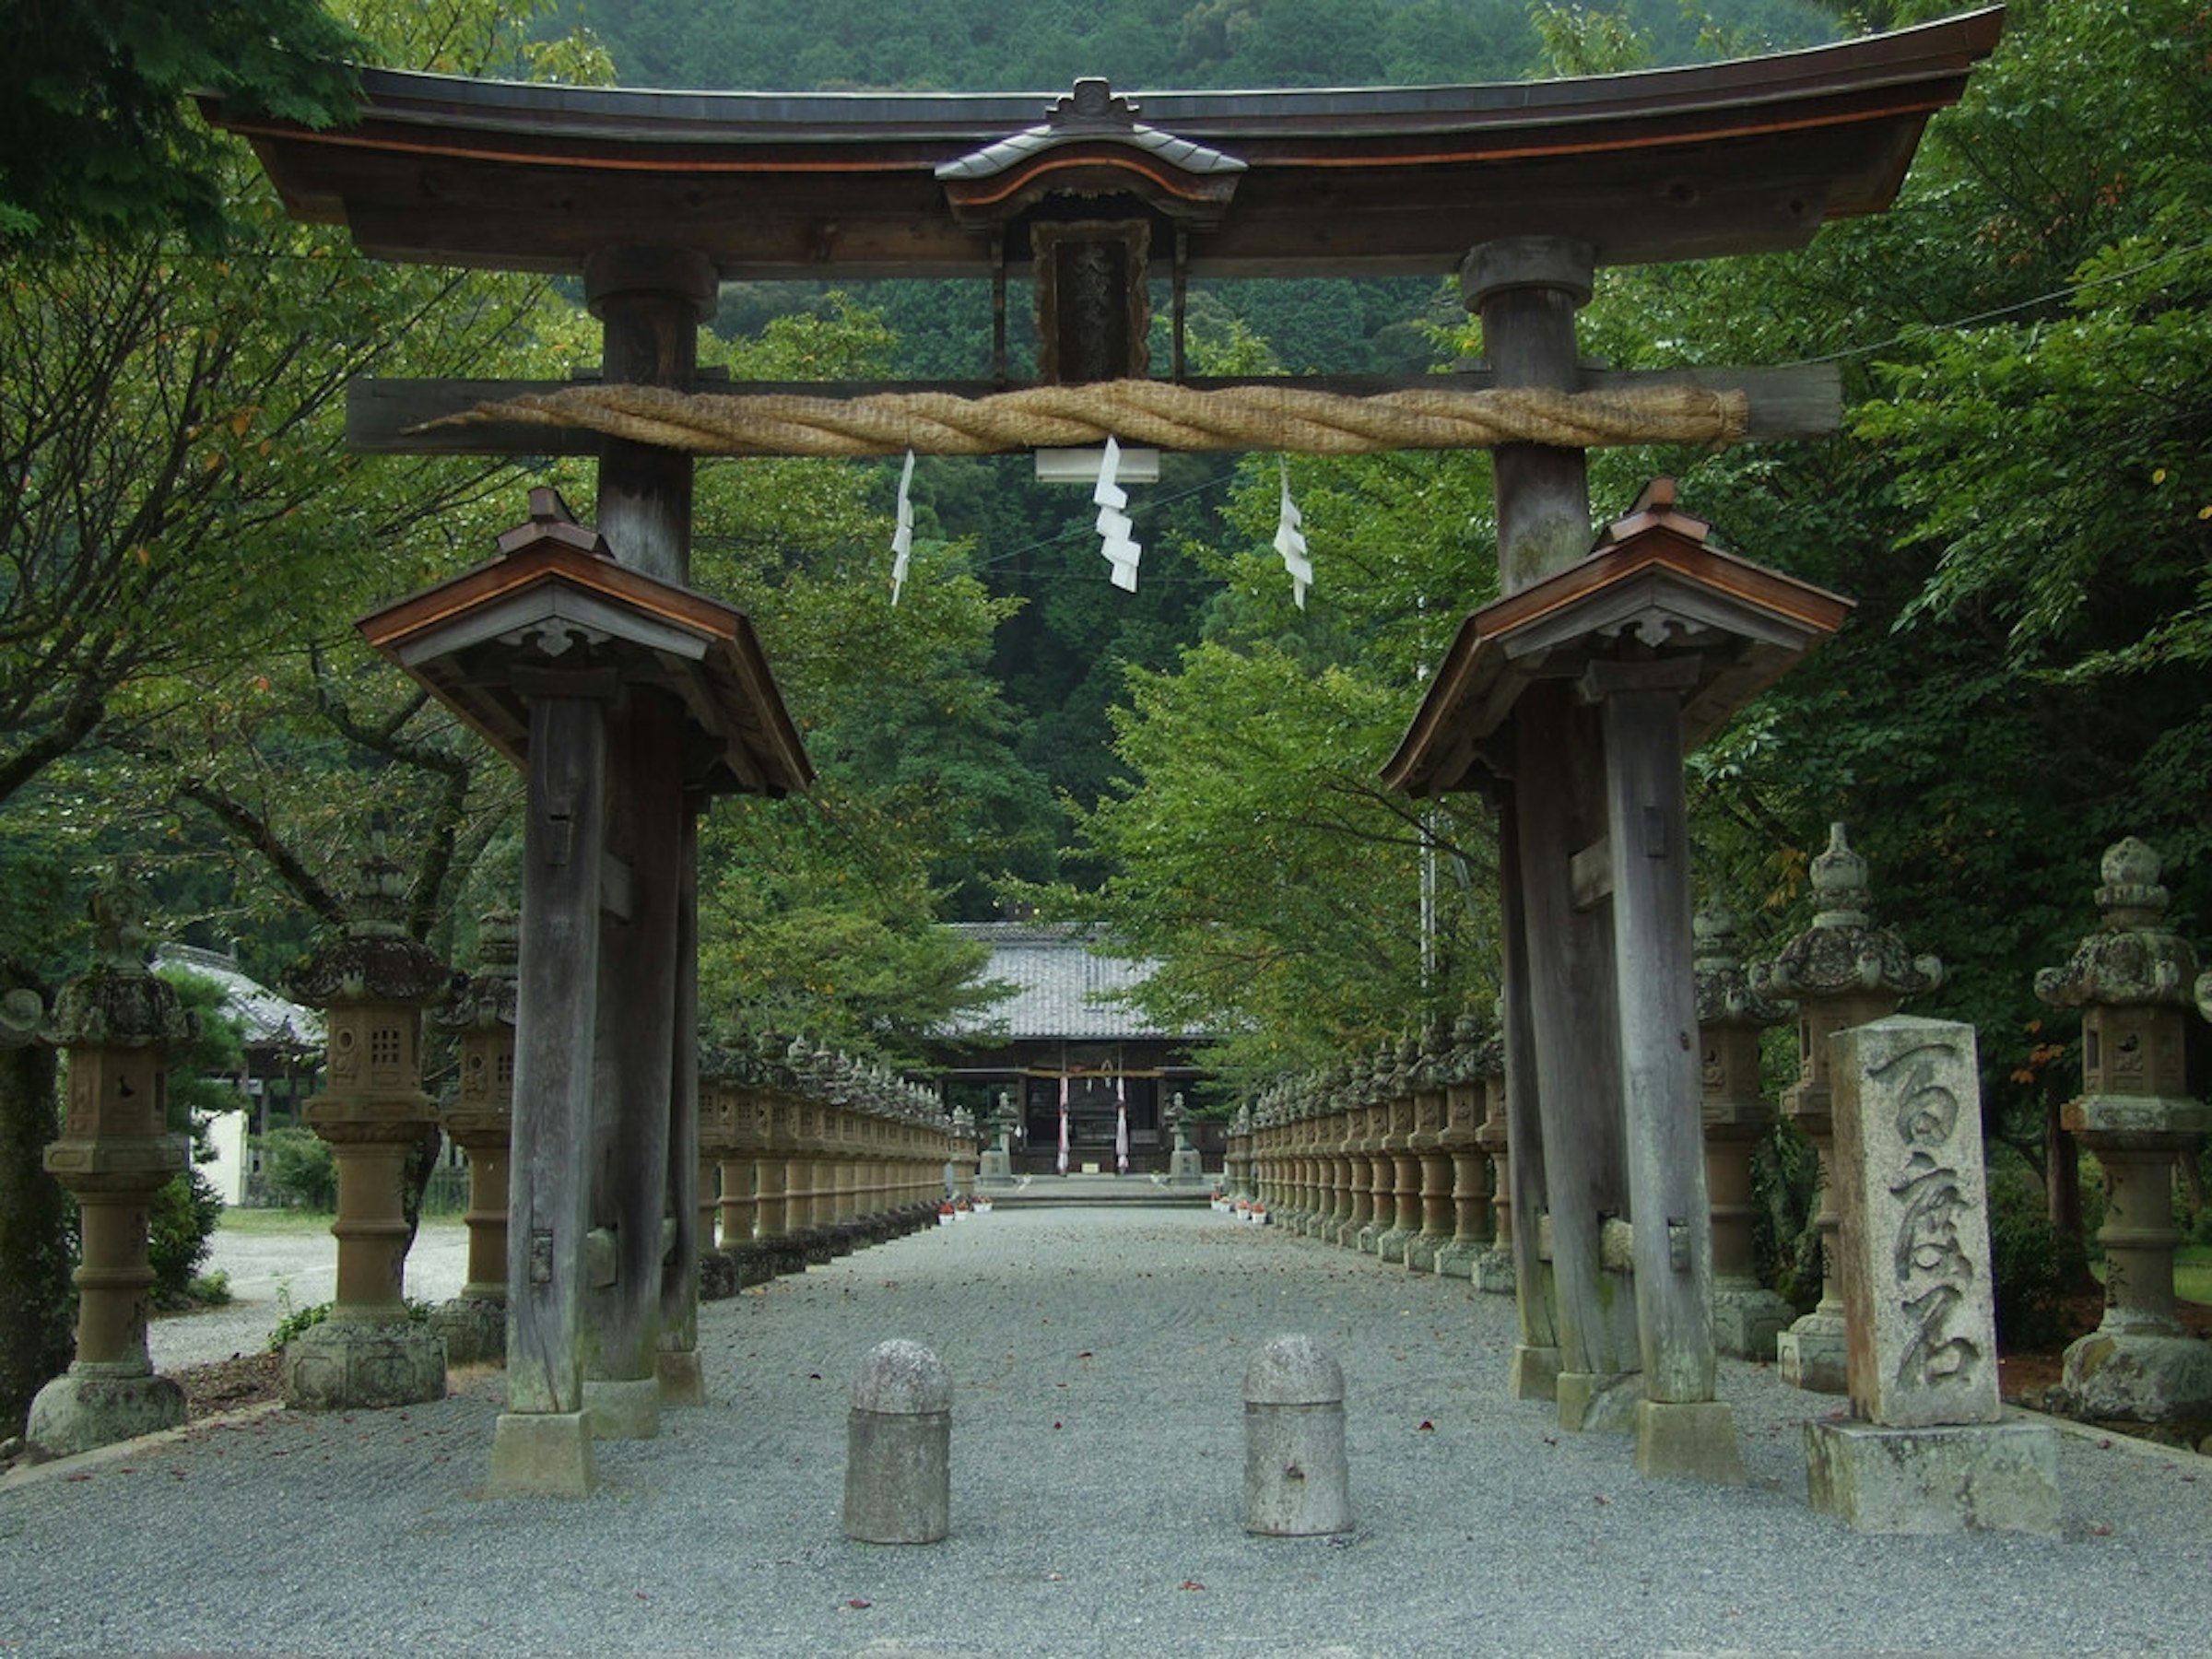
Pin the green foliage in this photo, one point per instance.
(193, 540)
(2033, 1266)
(1255, 855)
(298, 1170)
(2013, 505)
(95, 137)
(180, 1224)
(295, 1322)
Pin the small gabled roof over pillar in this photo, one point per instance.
(1653, 586)
(556, 598)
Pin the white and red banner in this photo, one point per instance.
(1062, 1123)
(1121, 1128)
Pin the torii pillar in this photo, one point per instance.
(1563, 1058)
(650, 302)
(626, 699)
(1572, 701)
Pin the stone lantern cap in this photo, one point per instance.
(2133, 959)
(119, 1003)
(1842, 953)
(372, 959)
(1655, 583)
(556, 601)
(486, 998)
(1725, 994)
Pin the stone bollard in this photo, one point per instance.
(1296, 1483)
(899, 1447)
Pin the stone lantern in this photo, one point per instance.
(1398, 1166)
(2132, 980)
(119, 1027)
(481, 1121)
(1432, 1081)
(1471, 1192)
(1495, 1269)
(373, 983)
(1747, 1317)
(1843, 972)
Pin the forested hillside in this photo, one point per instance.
(1005, 45)
(1063, 651)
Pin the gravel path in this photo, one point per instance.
(1098, 1455)
(272, 1273)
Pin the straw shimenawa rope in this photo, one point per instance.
(1155, 413)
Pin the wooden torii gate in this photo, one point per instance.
(1525, 189)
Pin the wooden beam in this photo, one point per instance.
(383, 416)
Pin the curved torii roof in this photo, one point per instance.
(1663, 164)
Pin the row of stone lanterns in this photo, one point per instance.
(1356, 1154)
(1335, 1144)
(828, 1153)
(1392, 1156)
(814, 1153)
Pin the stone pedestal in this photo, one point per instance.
(363, 1363)
(541, 1454)
(1687, 1441)
(92, 1405)
(1955, 1478)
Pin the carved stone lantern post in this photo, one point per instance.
(373, 983)
(1370, 1164)
(1495, 1269)
(1747, 1317)
(1311, 1115)
(1842, 971)
(1398, 1172)
(118, 1026)
(2133, 980)
(1238, 1160)
(481, 1121)
(1471, 1191)
(1431, 1109)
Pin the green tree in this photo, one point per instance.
(96, 137)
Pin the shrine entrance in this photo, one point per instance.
(629, 699)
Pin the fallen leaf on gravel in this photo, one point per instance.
(1085, 1354)
(1192, 1584)
(1426, 1424)
(859, 1601)
(2101, 1532)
